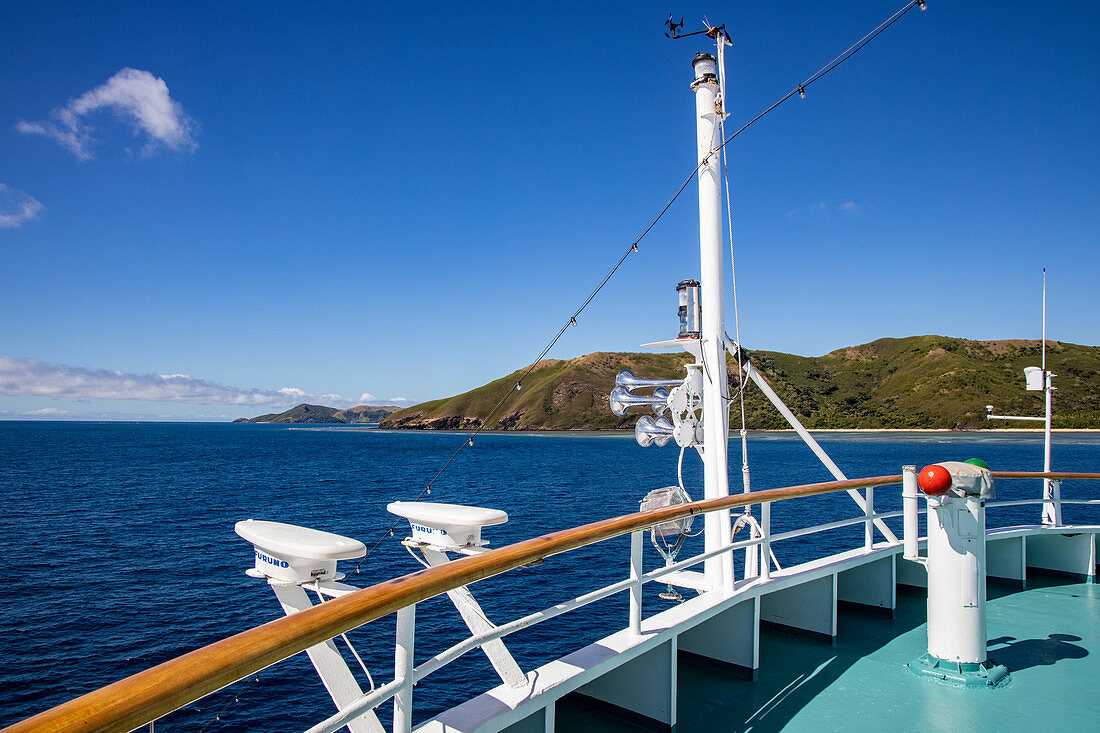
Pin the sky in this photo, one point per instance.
(216, 210)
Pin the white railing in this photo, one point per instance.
(635, 582)
(406, 675)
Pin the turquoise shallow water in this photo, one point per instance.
(121, 553)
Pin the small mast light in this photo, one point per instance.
(690, 310)
(706, 69)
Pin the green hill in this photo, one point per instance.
(914, 382)
(321, 414)
(364, 414)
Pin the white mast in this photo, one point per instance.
(718, 570)
(1051, 509)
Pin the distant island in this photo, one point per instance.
(321, 414)
(918, 382)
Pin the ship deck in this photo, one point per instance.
(1048, 636)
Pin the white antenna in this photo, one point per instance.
(1039, 379)
(1044, 320)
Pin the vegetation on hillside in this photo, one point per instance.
(556, 395)
(914, 382)
(320, 414)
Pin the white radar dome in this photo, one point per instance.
(447, 525)
(297, 554)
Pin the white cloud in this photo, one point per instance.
(16, 207)
(366, 397)
(47, 411)
(136, 98)
(30, 377)
(819, 208)
(824, 208)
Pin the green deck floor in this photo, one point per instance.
(1048, 636)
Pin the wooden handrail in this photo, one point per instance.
(1040, 474)
(155, 692)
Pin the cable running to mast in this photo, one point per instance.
(723, 114)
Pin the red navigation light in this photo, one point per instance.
(934, 480)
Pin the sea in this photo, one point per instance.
(120, 551)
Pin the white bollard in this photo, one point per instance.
(956, 575)
(956, 579)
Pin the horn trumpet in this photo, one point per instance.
(626, 378)
(622, 400)
(649, 431)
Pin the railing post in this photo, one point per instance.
(636, 582)
(766, 544)
(869, 522)
(403, 669)
(910, 507)
(1056, 495)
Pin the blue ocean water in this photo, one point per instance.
(121, 554)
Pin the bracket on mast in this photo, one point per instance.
(713, 31)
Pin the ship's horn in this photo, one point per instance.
(661, 407)
(626, 379)
(649, 431)
(622, 400)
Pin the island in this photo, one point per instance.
(912, 383)
(327, 415)
(917, 382)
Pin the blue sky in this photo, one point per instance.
(347, 200)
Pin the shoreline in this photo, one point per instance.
(630, 431)
(576, 431)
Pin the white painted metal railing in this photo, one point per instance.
(402, 688)
(407, 675)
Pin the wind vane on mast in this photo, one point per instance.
(711, 30)
(673, 27)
